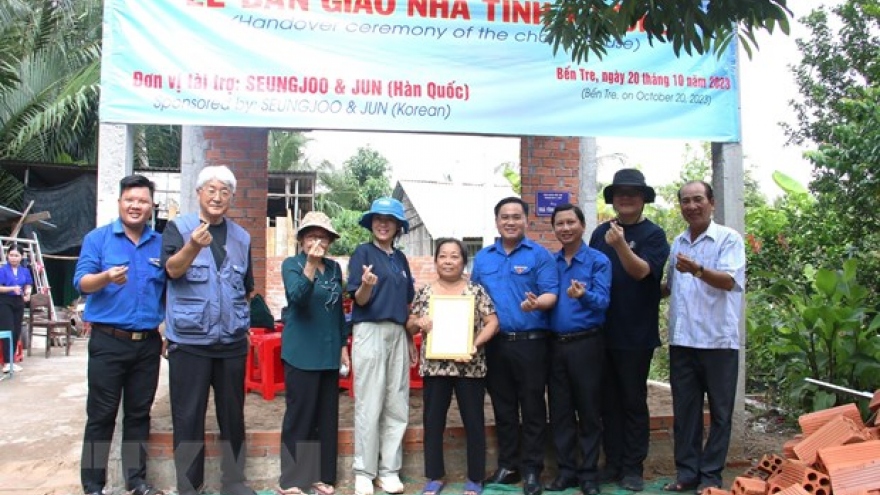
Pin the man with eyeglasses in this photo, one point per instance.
(208, 262)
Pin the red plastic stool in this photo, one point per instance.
(264, 372)
(17, 357)
(347, 382)
(416, 381)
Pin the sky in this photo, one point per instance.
(766, 83)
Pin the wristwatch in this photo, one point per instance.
(699, 272)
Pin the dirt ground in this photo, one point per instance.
(43, 411)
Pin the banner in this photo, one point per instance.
(445, 66)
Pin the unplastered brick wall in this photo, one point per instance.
(244, 150)
(548, 164)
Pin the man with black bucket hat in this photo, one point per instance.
(638, 250)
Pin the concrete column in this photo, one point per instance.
(589, 166)
(115, 161)
(727, 181)
(193, 157)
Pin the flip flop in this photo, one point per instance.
(680, 486)
(433, 487)
(472, 488)
(322, 488)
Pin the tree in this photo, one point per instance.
(49, 74)
(363, 178)
(839, 111)
(49, 79)
(349, 193)
(582, 27)
(286, 151)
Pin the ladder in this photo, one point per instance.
(31, 252)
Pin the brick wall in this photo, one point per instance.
(548, 164)
(245, 151)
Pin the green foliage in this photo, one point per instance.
(349, 192)
(286, 151)
(157, 146)
(825, 330)
(351, 234)
(585, 27)
(363, 178)
(49, 79)
(513, 177)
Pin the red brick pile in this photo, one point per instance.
(836, 454)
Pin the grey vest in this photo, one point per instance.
(207, 306)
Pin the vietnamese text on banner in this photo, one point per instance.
(472, 67)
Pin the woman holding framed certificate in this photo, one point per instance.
(457, 316)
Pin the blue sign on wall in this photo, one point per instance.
(547, 200)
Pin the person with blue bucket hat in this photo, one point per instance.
(381, 284)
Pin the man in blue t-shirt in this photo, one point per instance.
(520, 276)
(119, 269)
(576, 353)
(638, 250)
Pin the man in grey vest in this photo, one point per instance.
(207, 260)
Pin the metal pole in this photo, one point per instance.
(838, 388)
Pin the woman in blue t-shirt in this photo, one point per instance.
(15, 291)
(381, 284)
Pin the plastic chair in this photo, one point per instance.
(264, 372)
(347, 382)
(416, 381)
(7, 334)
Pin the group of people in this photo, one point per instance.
(578, 327)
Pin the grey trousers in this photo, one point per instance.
(380, 362)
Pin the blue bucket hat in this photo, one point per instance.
(385, 206)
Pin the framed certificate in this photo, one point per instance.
(453, 327)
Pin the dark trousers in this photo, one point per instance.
(11, 316)
(692, 373)
(309, 432)
(575, 386)
(517, 381)
(437, 396)
(126, 371)
(190, 379)
(626, 420)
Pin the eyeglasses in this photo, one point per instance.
(317, 237)
(224, 193)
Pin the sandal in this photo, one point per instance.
(680, 486)
(322, 488)
(294, 490)
(433, 487)
(472, 488)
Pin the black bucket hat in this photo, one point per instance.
(629, 177)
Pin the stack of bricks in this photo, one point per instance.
(837, 453)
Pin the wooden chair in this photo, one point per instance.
(39, 317)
